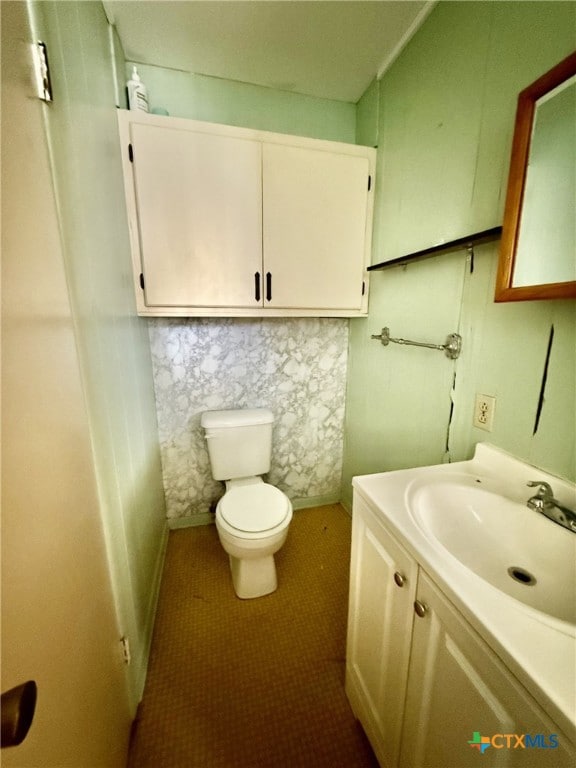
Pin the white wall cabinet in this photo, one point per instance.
(421, 681)
(229, 221)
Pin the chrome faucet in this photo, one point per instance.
(545, 503)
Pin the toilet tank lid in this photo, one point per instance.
(236, 418)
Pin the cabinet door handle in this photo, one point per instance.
(257, 286)
(399, 579)
(268, 286)
(421, 609)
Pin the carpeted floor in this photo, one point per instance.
(234, 683)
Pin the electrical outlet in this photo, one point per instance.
(484, 412)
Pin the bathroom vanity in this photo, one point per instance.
(445, 659)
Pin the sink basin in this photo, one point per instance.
(513, 548)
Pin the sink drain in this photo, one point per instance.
(521, 575)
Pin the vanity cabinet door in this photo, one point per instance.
(316, 227)
(199, 203)
(382, 590)
(459, 691)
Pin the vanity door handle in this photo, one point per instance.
(399, 579)
(420, 608)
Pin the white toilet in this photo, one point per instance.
(252, 517)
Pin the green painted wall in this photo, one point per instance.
(184, 94)
(112, 341)
(367, 116)
(445, 122)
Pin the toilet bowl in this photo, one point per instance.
(252, 521)
(252, 518)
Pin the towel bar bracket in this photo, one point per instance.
(451, 348)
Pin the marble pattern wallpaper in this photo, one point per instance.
(294, 366)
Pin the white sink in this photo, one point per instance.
(513, 548)
(467, 524)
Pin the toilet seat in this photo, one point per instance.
(254, 508)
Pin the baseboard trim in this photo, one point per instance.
(316, 501)
(205, 518)
(141, 661)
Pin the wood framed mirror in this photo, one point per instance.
(538, 247)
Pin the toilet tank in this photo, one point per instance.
(239, 442)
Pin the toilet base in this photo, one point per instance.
(253, 577)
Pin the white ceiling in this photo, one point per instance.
(316, 47)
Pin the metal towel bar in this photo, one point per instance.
(451, 348)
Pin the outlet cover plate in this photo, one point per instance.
(484, 408)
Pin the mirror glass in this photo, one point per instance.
(538, 253)
(548, 218)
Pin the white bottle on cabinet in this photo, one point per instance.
(137, 92)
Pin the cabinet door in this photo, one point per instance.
(199, 201)
(315, 212)
(382, 589)
(459, 691)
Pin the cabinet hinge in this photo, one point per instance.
(130, 153)
(141, 281)
(369, 183)
(42, 71)
(363, 287)
(127, 656)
